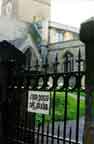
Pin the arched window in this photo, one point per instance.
(68, 64)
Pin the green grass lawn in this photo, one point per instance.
(59, 108)
(71, 107)
(82, 93)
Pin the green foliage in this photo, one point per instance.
(59, 108)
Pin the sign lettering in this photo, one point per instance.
(38, 102)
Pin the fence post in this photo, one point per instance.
(87, 36)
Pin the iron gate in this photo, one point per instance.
(33, 128)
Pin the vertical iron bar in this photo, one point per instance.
(78, 98)
(45, 66)
(54, 94)
(53, 116)
(33, 114)
(38, 134)
(69, 65)
(25, 123)
(42, 136)
(66, 100)
(18, 111)
(58, 134)
(47, 137)
(33, 117)
(26, 113)
(72, 61)
(70, 134)
(33, 129)
(65, 115)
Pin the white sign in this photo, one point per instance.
(39, 102)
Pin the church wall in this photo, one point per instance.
(28, 11)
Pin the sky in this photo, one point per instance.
(71, 12)
(0, 6)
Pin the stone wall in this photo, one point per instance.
(32, 9)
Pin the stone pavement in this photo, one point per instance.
(70, 124)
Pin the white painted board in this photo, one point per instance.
(38, 102)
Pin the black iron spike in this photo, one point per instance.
(66, 62)
(79, 53)
(46, 60)
(45, 65)
(79, 59)
(72, 62)
(36, 65)
(56, 59)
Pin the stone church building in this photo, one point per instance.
(15, 26)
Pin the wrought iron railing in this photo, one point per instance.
(26, 80)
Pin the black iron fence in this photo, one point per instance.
(34, 128)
